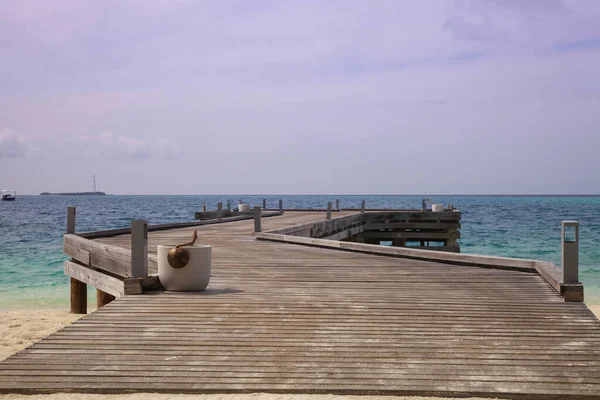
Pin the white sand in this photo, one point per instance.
(21, 328)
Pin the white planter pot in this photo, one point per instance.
(437, 207)
(191, 278)
(244, 207)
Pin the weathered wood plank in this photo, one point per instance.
(113, 259)
(413, 235)
(412, 225)
(427, 255)
(104, 282)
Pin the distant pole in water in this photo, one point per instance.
(94, 180)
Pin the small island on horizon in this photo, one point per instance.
(73, 194)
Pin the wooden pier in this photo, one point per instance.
(297, 308)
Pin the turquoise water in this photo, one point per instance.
(513, 226)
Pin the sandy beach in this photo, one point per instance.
(21, 328)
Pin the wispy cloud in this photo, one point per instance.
(462, 28)
(577, 45)
(468, 56)
(12, 145)
(114, 146)
(433, 101)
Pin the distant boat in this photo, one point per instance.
(73, 194)
(9, 195)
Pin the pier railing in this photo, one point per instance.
(339, 234)
(116, 271)
(113, 270)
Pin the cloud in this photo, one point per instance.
(12, 145)
(468, 56)
(463, 29)
(577, 45)
(433, 101)
(116, 147)
(169, 149)
(530, 7)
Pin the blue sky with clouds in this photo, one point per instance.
(284, 97)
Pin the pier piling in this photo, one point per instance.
(71, 212)
(570, 261)
(219, 211)
(257, 217)
(139, 248)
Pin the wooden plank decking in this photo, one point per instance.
(281, 317)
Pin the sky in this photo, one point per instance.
(300, 97)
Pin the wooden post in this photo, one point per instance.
(257, 222)
(203, 207)
(570, 252)
(78, 297)
(264, 204)
(329, 210)
(337, 204)
(228, 206)
(362, 207)
(71, 211)
(78, 288)
(139, 248)
(219, 211)
(280, 206)
(103, 298)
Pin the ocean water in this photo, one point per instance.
(31, 258)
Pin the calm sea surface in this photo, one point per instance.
(517, 226)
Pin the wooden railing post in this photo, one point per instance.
(571, 290)
(139, 248)
(329, 210)
(203, 207)
(570, 252)
(228, 206)
(362, 207)
(78, 288)
(71, 212)
(337, 204)
(264, 204)
(219, 211)
(280, 206)
(257, 221)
